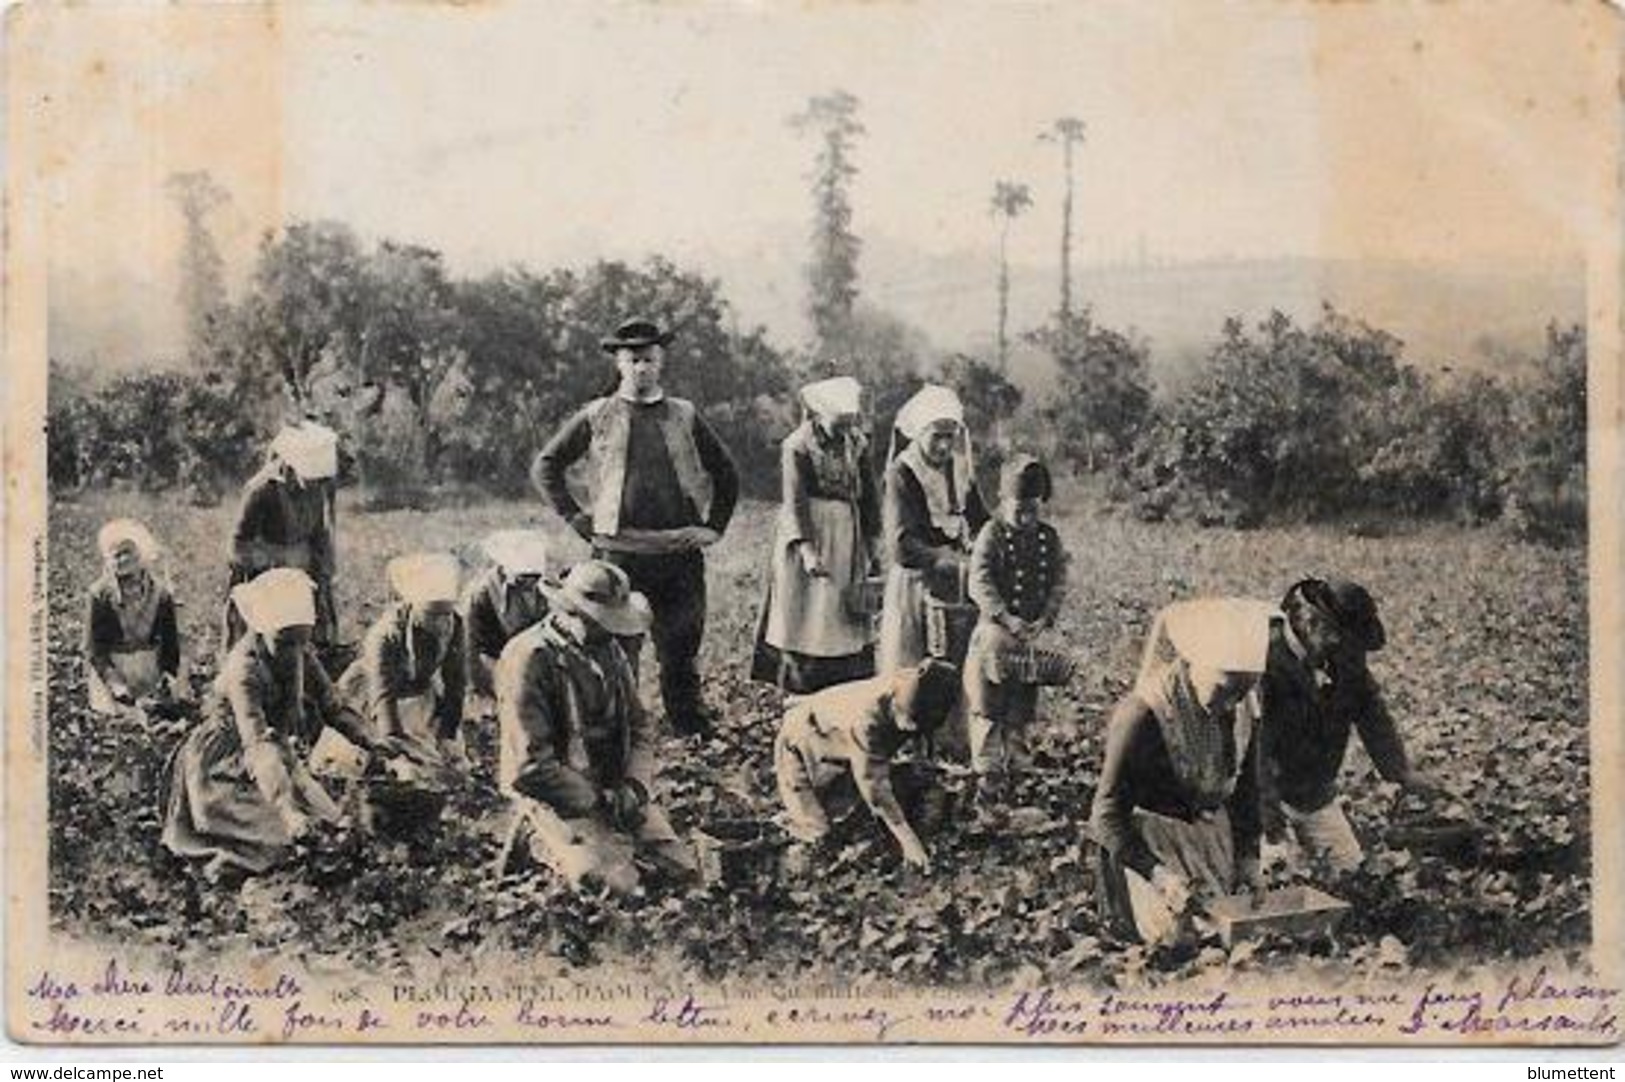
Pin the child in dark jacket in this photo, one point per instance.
(1018, 581)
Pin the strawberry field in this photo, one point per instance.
(1485, 673)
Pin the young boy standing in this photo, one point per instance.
(1018, 581)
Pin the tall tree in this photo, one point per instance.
(202, 278)
(1067, 131)
(832, 272)
(306, 305)
(409, 339)
(1009, 200)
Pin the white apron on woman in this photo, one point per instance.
(808, 614)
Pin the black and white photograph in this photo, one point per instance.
(842, 523)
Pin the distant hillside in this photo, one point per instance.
(1445, 314)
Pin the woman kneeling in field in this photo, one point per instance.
(408, 681)
(502, 601)
(132, 638)
(239, 791)
(1176, 813)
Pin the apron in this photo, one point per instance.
(139, 670)
(335, 756)
(902, 621)
(809, 615)
(1200, 850)
(213, 807)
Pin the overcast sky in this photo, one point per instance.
(562, 131)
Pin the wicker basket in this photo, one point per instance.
(1031, 665)
(864, 598)
(399, 808)
(734, 851)
(1454, 840)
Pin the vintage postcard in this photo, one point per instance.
(863, 523)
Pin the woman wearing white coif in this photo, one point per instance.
(408, 682)
(240, 793)
(132, 637)
(500, 602)
(931, 514)
(287, 520)
(1176, 815)
(825, 543)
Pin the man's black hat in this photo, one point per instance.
(1350, 605)
(634, 333)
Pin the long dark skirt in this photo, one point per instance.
(803, 674)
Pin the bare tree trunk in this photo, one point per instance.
(1004, 297)
(1066, 239)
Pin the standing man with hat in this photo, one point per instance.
(661, 488)
(1317, 690)
(577, 750)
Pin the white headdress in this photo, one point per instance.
(425, 577)
(519, 552)
(310, 450)
(121, 530)
(275, 599)
(838, 396)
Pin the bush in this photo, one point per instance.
(1103, 397)
(149, 430)
(1288, 422)
(1546, 469)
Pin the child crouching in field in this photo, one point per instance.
(1018, 581)
(836, 747)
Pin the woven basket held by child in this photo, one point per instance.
(1032, 665)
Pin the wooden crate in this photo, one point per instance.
(1454, 840)
(1293, 911)
(399, 808)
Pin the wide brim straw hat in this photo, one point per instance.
(1351, 606)
(635, 333)
(602, 593)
